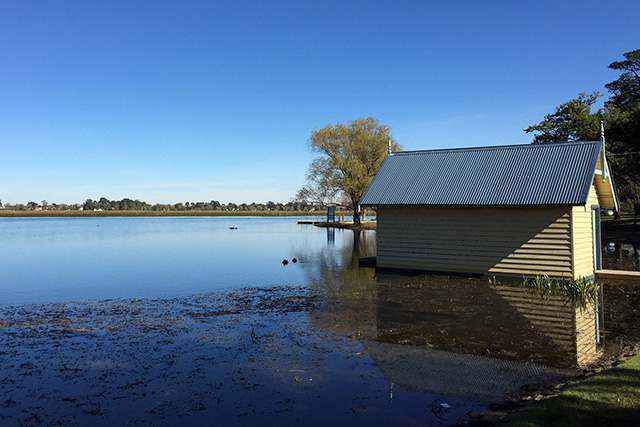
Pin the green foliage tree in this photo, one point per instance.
(626, 89)
(574, 121)
(89, 205)
(349, 157)
(624, 132)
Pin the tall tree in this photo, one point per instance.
(572, 121)
(626, 89)
(349, 157)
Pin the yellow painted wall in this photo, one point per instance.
(494, 241)
(501, 241)
(582, 237)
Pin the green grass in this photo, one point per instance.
(29, 214)
(625, 219)
(611, 398)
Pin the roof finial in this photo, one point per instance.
(603, 158)
(389, 147)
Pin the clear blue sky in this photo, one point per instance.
(215, 100)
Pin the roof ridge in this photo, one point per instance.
(498, 147)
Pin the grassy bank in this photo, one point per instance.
(610, 398)
(37, 214)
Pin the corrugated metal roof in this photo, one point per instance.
(510, 175)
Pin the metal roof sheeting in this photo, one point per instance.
(510, 175)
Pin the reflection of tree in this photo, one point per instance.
(332, 268)
(622, 309)
(349, 287)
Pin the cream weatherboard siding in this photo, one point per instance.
(502, 241)
(503, 210)
(582, 237)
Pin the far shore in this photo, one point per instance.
(78, 213)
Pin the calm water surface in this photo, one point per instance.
(621, 256)
(68, 259)
(321, 341)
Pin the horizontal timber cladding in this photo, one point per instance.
(476, 240)
(582, 235)
(571, 328)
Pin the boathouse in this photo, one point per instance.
(500, 211)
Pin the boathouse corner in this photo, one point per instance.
(501, 211)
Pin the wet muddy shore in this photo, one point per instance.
(248, 357)
(256, 356)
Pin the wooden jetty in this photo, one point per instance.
(618, 276)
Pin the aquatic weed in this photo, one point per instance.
(583, 292)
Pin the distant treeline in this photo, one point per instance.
(103, 204)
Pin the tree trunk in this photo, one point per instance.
(356, 217)
(356, 213)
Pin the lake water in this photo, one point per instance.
(621, 256)
(68, 259)
(118, 320)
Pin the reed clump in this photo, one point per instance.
(582, 292)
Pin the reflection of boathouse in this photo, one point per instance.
(468, 316)
(504, 210)
(460, 336)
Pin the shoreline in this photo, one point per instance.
(91, 214)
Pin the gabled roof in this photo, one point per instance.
(509, 175)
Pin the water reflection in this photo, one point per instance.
(331, 236)
(457, 314)
(351, 289)
(621, 256)
(71, 259)
(469, 316)
(451, 335)
(465, 315)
